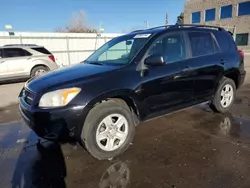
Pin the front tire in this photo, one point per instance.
(224, 96)
(108, 129)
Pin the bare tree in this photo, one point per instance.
(77, 24)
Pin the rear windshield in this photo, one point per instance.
(41, 50)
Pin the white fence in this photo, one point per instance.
(68, 48)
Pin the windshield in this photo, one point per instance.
(119, 51)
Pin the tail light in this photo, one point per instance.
(241, 53)
(52, 58)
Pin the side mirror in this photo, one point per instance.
(154, 60)
(128, 42)
(124, 55)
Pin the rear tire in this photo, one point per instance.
(38, 71)
(108, 129)
(224, 96)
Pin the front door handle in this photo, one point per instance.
(2, 61)
(183, 72)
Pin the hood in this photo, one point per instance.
(63, 76)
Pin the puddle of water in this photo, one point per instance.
(240, 127)
(15, 135)
(227, 126)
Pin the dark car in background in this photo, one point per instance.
(133, 78)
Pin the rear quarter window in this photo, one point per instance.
(42, 50)
(225, 41)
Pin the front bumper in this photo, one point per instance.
(53, 124)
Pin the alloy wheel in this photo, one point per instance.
(112, 132)
(227, 94)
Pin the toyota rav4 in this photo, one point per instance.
(131, 79)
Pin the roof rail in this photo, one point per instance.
(201, 26)
(189, 25)
(20, 45)
(137, 30)
(166, 26)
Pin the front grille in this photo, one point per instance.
(27, 96)
(26, 116)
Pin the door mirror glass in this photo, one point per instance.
(129, 42)
(154, 60)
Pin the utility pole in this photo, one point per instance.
(147, 24)
(98, 35)
(166, 18)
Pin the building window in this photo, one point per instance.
(210, 15)
(244, 8)
(226, 12)
(242, 39)
(196, 17)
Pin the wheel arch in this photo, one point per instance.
(234, 75)
(36, 62)
(38, 65)
(126, 95)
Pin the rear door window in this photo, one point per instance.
(1, 54)
(42, 50)
(201, 43)
(14, 52)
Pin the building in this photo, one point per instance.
(233, 15)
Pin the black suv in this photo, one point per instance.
(133, 78)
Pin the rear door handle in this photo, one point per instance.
(187, 68)
(222, 61)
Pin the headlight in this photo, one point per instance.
(58, 98)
